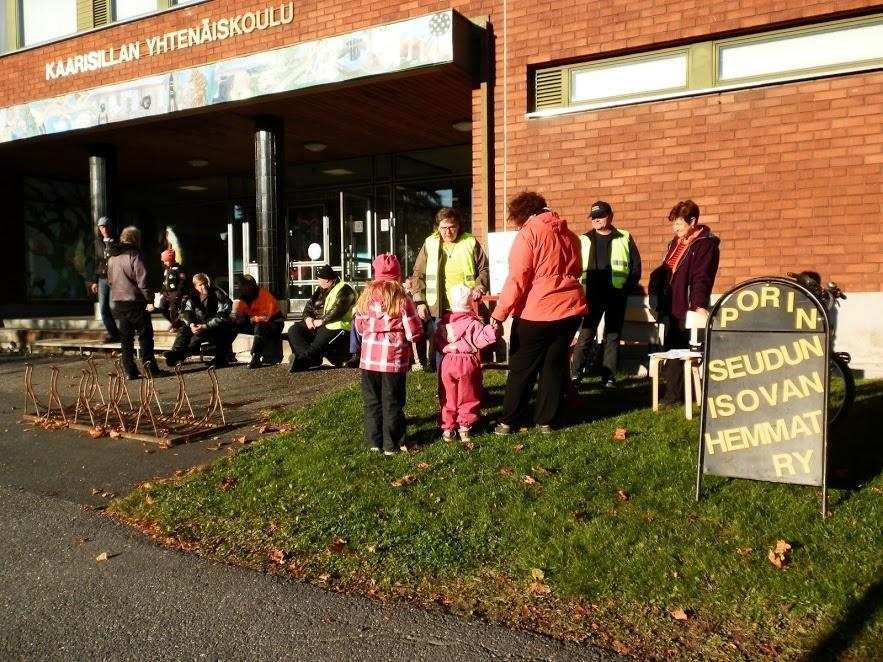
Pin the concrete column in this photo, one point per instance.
(269, 176)
(102, 184)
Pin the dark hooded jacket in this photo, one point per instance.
(689, 285)
(127, 275)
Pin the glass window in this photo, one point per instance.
(784, 54)
(627, 78)
(48, 19)
(3, 36)
(124, 9)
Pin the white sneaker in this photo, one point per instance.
(448, 435)
(465, 433)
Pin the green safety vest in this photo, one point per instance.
(344, 322)
(619, 258)
(463, 257)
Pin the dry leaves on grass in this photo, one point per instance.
(277, 556)
(423, 466)
(529, 480)
(242, 440)
(682, 614)
(227, 483)
(267, 429)
(744, 551)
(778, 555)
(115, 434)
(537, 574)
(619, 434)
(620, 647)
(216, 447)
(506, 471)
(518, 448)
(97, 432)
(622, 495)
(407, 479)
(469, 446)
(538, 588)
(338, 546)
(876, 490)
(578, 517)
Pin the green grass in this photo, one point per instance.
(471, 536)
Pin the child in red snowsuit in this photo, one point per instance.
(459, 336)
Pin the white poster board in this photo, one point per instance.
(498, 246)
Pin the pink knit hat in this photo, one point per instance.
(168, 255)
(386, 267)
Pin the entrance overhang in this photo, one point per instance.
(391, 88)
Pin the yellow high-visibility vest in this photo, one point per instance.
(462, 260)
(619, 258)
(344, 322)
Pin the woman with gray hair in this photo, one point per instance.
(132, 297)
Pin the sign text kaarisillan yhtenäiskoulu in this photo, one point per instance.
(206, 32)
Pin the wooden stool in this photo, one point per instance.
(692, 380)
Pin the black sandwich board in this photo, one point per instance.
(765, 387)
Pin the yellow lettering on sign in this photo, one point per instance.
(769, 297)
(783, 462)
(728, 315)
(766, 360)
(764, 433)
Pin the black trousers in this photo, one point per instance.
(187, 343)
(609, 303)
(310, 345)
(537, 348)
(384, 397)
(267, 338)
(677, 336)
(133, 320)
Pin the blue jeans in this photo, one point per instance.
(106, 308)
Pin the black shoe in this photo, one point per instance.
(110, 339)
(173, 358)
(255, 362)
(132, 376)
(352, 361)
(218, 362)
(610, 383)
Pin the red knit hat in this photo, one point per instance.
(168, 255)
(386, 267)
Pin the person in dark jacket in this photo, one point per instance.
(683, 282)
(105, 244)
(612, 269)
(206, 318)
(132, 297)
(325, 327)
(175, 289)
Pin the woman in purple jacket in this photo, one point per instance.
(686, 277)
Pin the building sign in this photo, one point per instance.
(764, 413)
(206, 32)
(418, 42)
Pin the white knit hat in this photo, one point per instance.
(460, 298)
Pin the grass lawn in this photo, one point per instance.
(574, 534)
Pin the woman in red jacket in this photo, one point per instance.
(543, 295)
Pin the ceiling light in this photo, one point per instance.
(193, 187)
(337, 172)
(197, 163)
(462, 125)
(315, 147)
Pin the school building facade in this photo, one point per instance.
(272, 136)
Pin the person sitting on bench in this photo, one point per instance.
(325, 328)
(258, 313)
(206, 318)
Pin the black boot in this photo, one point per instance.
(255, 362)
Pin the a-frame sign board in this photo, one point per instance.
(765, 389)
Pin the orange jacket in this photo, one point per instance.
(263, 306)
(544, 270)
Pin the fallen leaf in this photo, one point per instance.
(277, 556)
(578, 517)
(423, 465)
(338, 546)
(518, 448)
(537, 574)
(876, 490)
(506, 471)
(323, 578)
(538, 588)
(619, 434)
(692, 518)
(469, 446)
(96, 432)
(79, 541)
(215, 448)
(682, 615)
(115, 434)
(266, 429)
(777, 555)
(620, 647)
(227, 483)
(149, 500)
(623, 496)
(372, 549)
(407, 479)
(97, 490)
(102, 557)
(529, 480)
(648, 520)
(540, 470)
(744, 551)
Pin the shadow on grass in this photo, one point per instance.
(850, 626)
(855, 453)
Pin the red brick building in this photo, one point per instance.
(361, 119)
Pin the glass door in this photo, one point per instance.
(358, 237)
(310, 233)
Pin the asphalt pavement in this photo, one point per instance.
(146, 602)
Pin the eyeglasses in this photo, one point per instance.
(447, 228)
